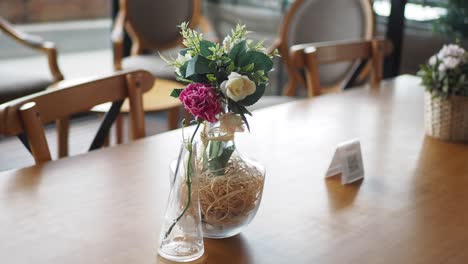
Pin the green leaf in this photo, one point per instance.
(183, 51)
(205, 46)
(216, 156)
(198, 65)
(248, 68)
(231, 67)
(259, 59)
(211, 78)
(199, 78)
(253, 98)
(176, 92)
(183, 69)
(245, 121)
(236, 51)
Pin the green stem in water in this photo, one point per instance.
(188, 181)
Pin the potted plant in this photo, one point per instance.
(445, 77)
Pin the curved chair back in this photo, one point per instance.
(152, 24)
(326, 53)
(27, 115)
(311, 21)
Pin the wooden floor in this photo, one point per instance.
(83, 128)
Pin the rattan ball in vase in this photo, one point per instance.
(446, 119)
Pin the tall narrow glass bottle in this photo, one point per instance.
(181, 236)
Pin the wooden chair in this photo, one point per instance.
(24, 117)
(16, 83)
(152, 26)
(320, 21)
(310, 56)
(11, 87)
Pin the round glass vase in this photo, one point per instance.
(230, 185)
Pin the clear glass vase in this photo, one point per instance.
(181, 238)
(230, 185)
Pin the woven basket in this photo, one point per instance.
(446, 119)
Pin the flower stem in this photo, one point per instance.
(188, 181)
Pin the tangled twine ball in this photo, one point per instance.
(228, 200)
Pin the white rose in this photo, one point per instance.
(237, 87)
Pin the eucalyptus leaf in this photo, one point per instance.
(176, 92)
(205, 46)
(198, 65)
(259, 59)
(238, 49)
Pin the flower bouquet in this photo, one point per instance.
(445, 77)
(222, 79)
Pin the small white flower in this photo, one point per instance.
(451, 50)
(433, 60)
(182, 59)
(442, 67)
(227, 44)
(237, 87)
(451, 62)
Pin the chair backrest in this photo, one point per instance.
(311, 57)
(152, 24)
(27, 115)
(310, 21)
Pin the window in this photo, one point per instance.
(416, 10)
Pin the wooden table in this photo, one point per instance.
(412, 207)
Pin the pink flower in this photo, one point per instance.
(202, 101)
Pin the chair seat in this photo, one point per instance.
(271, 100)
(13, 85)
(152, 63)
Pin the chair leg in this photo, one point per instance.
(377, 63)
(35, 133)
(137, 114)
(312, 74)
(106, 141)
(173, 118)
(63, 130)
(119, 129)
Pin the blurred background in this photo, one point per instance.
(81, 28)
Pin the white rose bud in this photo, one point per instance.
(237, 87)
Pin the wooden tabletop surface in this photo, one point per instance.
(412, 206)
